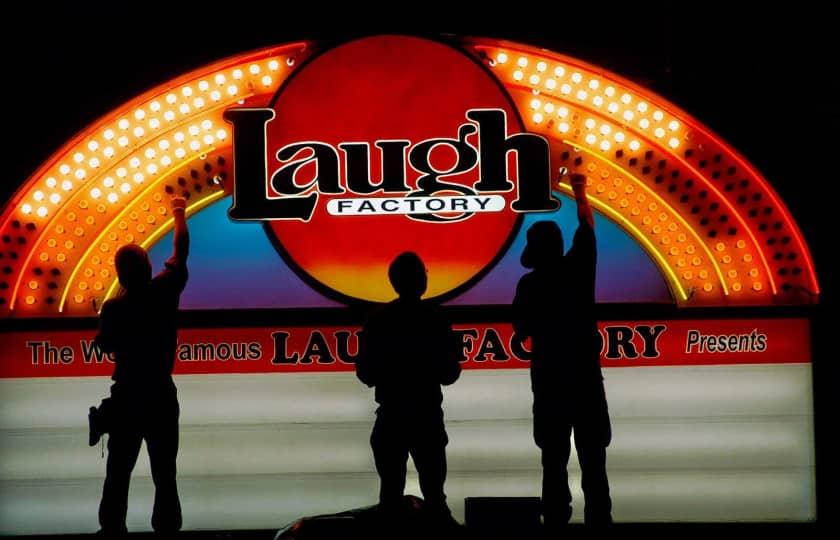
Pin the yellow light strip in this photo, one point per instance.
(116, 219)
(661, 201)
(163, 229)
(670, 276)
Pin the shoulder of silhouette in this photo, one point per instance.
(173, 277)
(377, 311)
(527, 282)
(109, 307)
(527, 277)
(434, 310)
(377, 316)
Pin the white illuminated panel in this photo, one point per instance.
(711, 443)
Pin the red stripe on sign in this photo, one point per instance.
(484, 346)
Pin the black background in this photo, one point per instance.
(763, 78)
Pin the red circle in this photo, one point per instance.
(387, 88)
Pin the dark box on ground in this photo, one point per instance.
(502, 513)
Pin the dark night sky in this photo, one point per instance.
(761, 78)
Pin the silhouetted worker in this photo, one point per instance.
(407, 351)
(139, 327)
(555, 307)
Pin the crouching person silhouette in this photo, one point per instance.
(555, 307)
(139, 328)
(407, 351)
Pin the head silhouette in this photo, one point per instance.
(408, 275)
(133, 267)
(545, 245)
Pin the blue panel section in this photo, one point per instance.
(233, 265)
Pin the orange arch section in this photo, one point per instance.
(710, 221)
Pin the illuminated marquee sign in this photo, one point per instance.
(340, 157)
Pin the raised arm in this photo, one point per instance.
(583, 249)
(584, 211)
(182, 234)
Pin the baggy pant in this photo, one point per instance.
(155, 420)
(394, 437)
(556, 417)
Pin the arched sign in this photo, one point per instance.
(307, 168)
